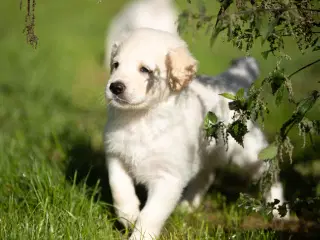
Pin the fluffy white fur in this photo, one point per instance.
(156, 14)
(154, 134)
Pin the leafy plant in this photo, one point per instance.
(270, 22)
(252, 205)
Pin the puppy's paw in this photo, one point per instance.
(277, 216)
(186, 206)
(128, 214)
(276, 192)
(137, 235)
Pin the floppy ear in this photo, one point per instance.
(181, 67)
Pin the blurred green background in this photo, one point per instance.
(52, 112)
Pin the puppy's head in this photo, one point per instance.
(147, 67)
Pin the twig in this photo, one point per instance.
(28, 8)
(304, 67)
(257, 10)
(222, 15)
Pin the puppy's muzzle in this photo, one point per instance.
(117, 88)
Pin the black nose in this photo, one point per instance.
(117, 87)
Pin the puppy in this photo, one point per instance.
(154, 133)
(157, 14)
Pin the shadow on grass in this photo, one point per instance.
(305, 184)
(86, 164)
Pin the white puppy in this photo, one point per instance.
(156, 14)
(154, 134)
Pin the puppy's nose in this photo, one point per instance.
(117, 87)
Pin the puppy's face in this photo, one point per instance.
(147, 67)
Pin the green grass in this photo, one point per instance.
(52, 113)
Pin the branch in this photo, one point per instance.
(312, 10)
(304, 67)
(257, 10)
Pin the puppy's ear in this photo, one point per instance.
(114, 51)
(181, 67)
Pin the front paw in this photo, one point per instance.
(185, 207)
(128, 214)
(277, 216)
(137, 235)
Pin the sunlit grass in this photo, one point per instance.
(52, 112)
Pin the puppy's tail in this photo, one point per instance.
(247, 67)
(241, 74)
(156, 14)
(244, 70)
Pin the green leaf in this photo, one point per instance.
(265, 54)
(269, 152)
(213, 131)
(306, 104)
(279, 95)
(237, 130)
(201, 8)
(235, 105)
(209, 28)
(316, 48)
(316, 126)
(211, 125)
(277, 80)
(240, 94)
(183, 20)
(238, 105)
(270, 30)
(216, 31)
(225, 4)
(211, 118)
(314, 42)
(228, 96)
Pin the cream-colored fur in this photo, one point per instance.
(154, 134)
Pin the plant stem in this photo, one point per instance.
(304, 67)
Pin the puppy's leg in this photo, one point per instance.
(163, 196)
(125, 201)
(196, 190)
(276, 192)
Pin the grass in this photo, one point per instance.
(52, 114)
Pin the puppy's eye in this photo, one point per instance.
(145, 70)
(115, 65)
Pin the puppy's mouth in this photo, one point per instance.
(123, 103)
(120, 100)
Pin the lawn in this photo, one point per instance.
(52, 113)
